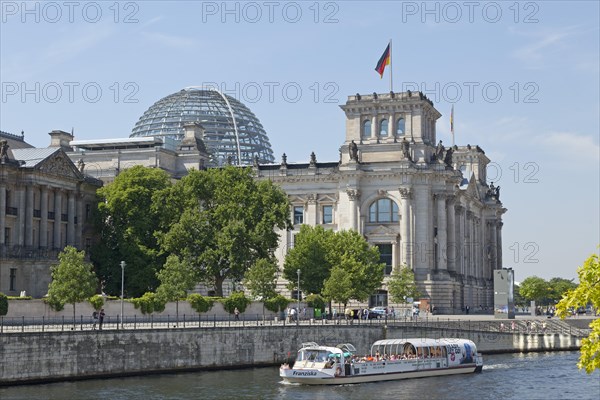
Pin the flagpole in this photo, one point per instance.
(452, 124)
(391, 68)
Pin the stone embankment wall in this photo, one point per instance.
(42, 357)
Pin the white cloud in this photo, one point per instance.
(544, 44)
(576, 148)
(172, 41)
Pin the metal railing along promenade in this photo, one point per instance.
(202, 321)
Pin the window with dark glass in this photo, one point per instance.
(13, 278)
(366, 129)
(298, 215)
(383, 210)
(383, 127)
(328, 214)
(385, 256)
(400, 127)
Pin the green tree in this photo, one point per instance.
(518, 299)
(200, 303)
(176, 278)
(127, 223)
(558, 287)
(148, 303)
(311, 255)
(236, 300)
(588, 292)
(402, 285)
(221, 221)
(261, 280)
(96, 301)
(73, 279)
(360, 260)
(338, 287)
(277, 303)
(534, 288)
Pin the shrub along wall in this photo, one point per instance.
(112, 308)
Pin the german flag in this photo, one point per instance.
(383, 61)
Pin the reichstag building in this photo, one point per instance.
(423, 204)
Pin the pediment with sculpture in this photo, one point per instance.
(59, 164)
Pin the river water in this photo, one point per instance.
(544, 376)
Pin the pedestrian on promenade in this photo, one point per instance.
(237, 314)
(94, 319)
(101, 318)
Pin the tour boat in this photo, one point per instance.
(390, 359)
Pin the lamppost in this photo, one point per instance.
(122, 289)
(298, 293)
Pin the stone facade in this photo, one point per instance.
(46, 203)
(104, 158)
(425, 206)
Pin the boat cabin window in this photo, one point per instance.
(313, 355)
(409, 349)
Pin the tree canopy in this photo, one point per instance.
(402, 285)
(541, 291)
(339, 265)
(176, 278)
(127, 223)
(588, 292)
(357, 272)
(261, 279)
(311, 255)
(221, 221)
(73, 279)
(534, 288)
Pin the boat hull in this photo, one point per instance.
(344, 380)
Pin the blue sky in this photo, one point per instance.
(523, 78)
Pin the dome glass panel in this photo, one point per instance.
(230, 127)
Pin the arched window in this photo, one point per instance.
(383, 210)
(400, 127)
(383, 128)
(366, 129)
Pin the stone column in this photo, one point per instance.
(28, 215)
(442, 241)
(79, 225)
(353, 196)
(71, 218)
(471, 221)
(57, 217)
(460, 242)
(311, 210)
(374, 127)
(423, 199)
(451, 235)
(483, 233)
(406, 248)
(2, 212)
(499, 243)
(21, 216)
(494, 245)
(44, 217)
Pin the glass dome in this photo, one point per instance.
(232, 131)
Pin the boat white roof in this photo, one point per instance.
(420, 342)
